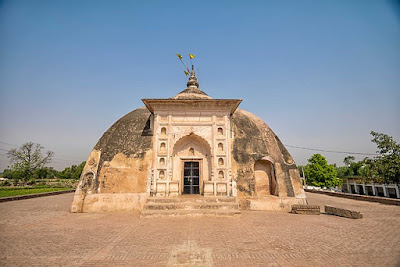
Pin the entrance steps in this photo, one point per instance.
(190, 206)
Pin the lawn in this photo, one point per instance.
(28, 191)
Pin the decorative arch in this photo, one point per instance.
(191, 138)
(268, 158)
(191, 148)
(265, 177)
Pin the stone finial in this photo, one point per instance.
(192, 83)
(192, 91)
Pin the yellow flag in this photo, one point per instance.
(180, 57)
(191, 56)
(186, 73)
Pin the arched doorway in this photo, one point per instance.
(191, 157)
(265, 178)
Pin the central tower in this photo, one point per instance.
(191, 143)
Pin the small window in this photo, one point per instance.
(221, 175)
(162, 161)
(162, 147)
(191, 151)
(161, 175)
(220, 131)
(163, 131)
(220, 147)
(220, 161)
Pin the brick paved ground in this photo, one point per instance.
(41, 232)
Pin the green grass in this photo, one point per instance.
(10, 192)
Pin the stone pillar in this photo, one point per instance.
(356, 188)
(396, 187)
(373, 190)
(385, 191)
(348, 186)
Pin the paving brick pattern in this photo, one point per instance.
(42, 232)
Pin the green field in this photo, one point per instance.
(28, 191)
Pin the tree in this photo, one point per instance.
(73, 172)
(78, 172)
(27, 159)
(387, 164)
(351, 167)
(370, 172)
(45, 172)
(348, 160)
(319, 173)
(343, 171)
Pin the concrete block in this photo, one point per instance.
(306, 209)
(343, 212)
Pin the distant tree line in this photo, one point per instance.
(383, 168)
(28, 162)
(72, 172)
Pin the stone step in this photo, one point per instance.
(193, 212)
(191, 205)
(191, 199)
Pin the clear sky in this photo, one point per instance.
(322, 74)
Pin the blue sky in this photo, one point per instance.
(322, 74)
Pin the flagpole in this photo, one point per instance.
(183, 63)
(191, 61)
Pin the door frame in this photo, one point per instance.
(182, 167)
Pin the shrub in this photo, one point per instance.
(31, 182)
(5, 183)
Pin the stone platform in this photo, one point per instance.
(42, 232)
(190, 205)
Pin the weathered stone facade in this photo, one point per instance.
(188, 144)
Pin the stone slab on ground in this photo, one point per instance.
(343, 212)
(306, 209)
(42, 232)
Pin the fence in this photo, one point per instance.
(378, 190)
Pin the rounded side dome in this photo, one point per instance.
(130, 135)
(255, 140)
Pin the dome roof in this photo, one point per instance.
(192, 93)
(130, 135)
(131, 159)
(253, 139)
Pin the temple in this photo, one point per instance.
(188, 145)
